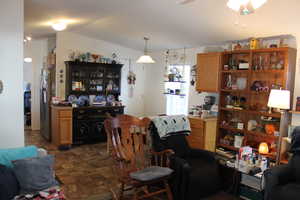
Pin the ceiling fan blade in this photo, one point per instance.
(182, 2)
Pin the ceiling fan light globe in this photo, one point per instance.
(234, 5)
(60, 26)
(258, 3)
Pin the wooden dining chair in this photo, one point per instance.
(134, 159)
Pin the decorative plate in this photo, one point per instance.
(99, 98)
(110, 98)
(83, 98)
(72, 98)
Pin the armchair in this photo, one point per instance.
(196, 171)
(283, 181)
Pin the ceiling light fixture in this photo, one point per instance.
(59, 26)
(27, 60)
(245, 7)
(28, 38)
(145, 59)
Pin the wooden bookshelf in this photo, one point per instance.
(295, 112)
(272, 67)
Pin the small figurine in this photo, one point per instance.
(131, 78)
(238, 46)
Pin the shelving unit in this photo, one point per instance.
(175, 94)
(174, 81)
(241, 102)
(295, 112)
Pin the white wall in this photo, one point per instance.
(67, 41)
(37, 50)
(155, 100)
(11, 73)
(27, 74)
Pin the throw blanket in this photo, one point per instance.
(169, 125)
(54, 193)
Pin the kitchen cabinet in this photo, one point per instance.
(203, 133)
(61, 126)
(208, 67)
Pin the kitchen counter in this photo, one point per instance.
(205, 119)
(61, 107)
(85, 107)
(80, 125)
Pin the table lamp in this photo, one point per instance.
(263, 148)
(280, 99)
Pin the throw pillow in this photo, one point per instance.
(35, 174)
(9, 186)
(7, 155)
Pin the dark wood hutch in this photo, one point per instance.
(84, 124)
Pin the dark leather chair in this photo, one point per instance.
(196, 171)
(283, 181)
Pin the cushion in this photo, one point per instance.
(295, 164)
(204, 177)
(151, 173)
(7, 155)
(289, 192)
(9, 186)
(35, 174)
(178, 144)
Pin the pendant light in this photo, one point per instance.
(145, 59)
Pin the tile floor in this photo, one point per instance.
(86, 171)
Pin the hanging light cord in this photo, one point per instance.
(146, 45)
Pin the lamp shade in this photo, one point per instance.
(279, 99)
(145, 59)
(263, 148)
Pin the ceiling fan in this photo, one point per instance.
(244, 7)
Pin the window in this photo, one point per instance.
(177, 89)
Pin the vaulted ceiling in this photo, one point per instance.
(168, 24)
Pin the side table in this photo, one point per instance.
(245, 186)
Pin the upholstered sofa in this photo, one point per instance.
(28, 169)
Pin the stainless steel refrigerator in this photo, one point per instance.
(47, 91)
